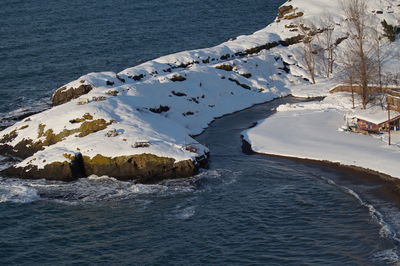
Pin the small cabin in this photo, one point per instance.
(375, 120)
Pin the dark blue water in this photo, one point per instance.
(45, 44)
(244, 210)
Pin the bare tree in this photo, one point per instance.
(308, 51)
(380, 78)
(358, 28)
(349, 74)
(325, 40)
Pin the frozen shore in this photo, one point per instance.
(314, 131)
(140, 120)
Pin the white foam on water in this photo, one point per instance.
(185, 213)
(212, 179)
(389, 256)
(86, 190)
(103, 188)
(386, 230)
(9, 118)
(6, 162)
(17, 193)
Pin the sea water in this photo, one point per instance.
(243, 210)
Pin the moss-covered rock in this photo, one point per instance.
(90, 127)
(145, 168)
(27, 147)
(54, 171)
(225, 67)
(9, 136)
(63, 95)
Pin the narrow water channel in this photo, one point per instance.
(245, 209)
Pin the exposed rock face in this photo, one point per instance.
(284, 10)
(63, 95)
(145, 168)
(28, 147)
(55, 171)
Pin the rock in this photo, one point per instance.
(246, 75)
(178, 78)
(27, 147)
(137, 77)
(244, 86)
(225, 57)
(225, 67)
(159, 110)
(120, 78)
(63, 95)
(112, 133)
(112, 92)
(145, 168)
(284, 10)
(179, 94)
(61, 171)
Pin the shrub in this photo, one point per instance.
(390, 31)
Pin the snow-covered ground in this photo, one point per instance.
(166, 100)
(314, 131)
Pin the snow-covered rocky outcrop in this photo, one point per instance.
(318, 130)
(137, 124)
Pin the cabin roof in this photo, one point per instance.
(374, 114)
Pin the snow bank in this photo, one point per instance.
(164, 101)
(314, 131)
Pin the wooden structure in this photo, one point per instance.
(393, 104)
(377, 120)
(366, 126)
(141, 144)
(393, 100)
(358, 89)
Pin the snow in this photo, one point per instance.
(313, 131)
(208, 93)
(375, 114)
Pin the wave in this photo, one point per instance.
(9, 118)
(103, 188)
(389, 256)
(17, 193)
(184, 213)
(385, 231)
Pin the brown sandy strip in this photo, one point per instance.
(389, 186)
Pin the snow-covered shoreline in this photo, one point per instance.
(155, 107)
(313, 131)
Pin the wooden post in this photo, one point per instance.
(352, 89)
(388, 108)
